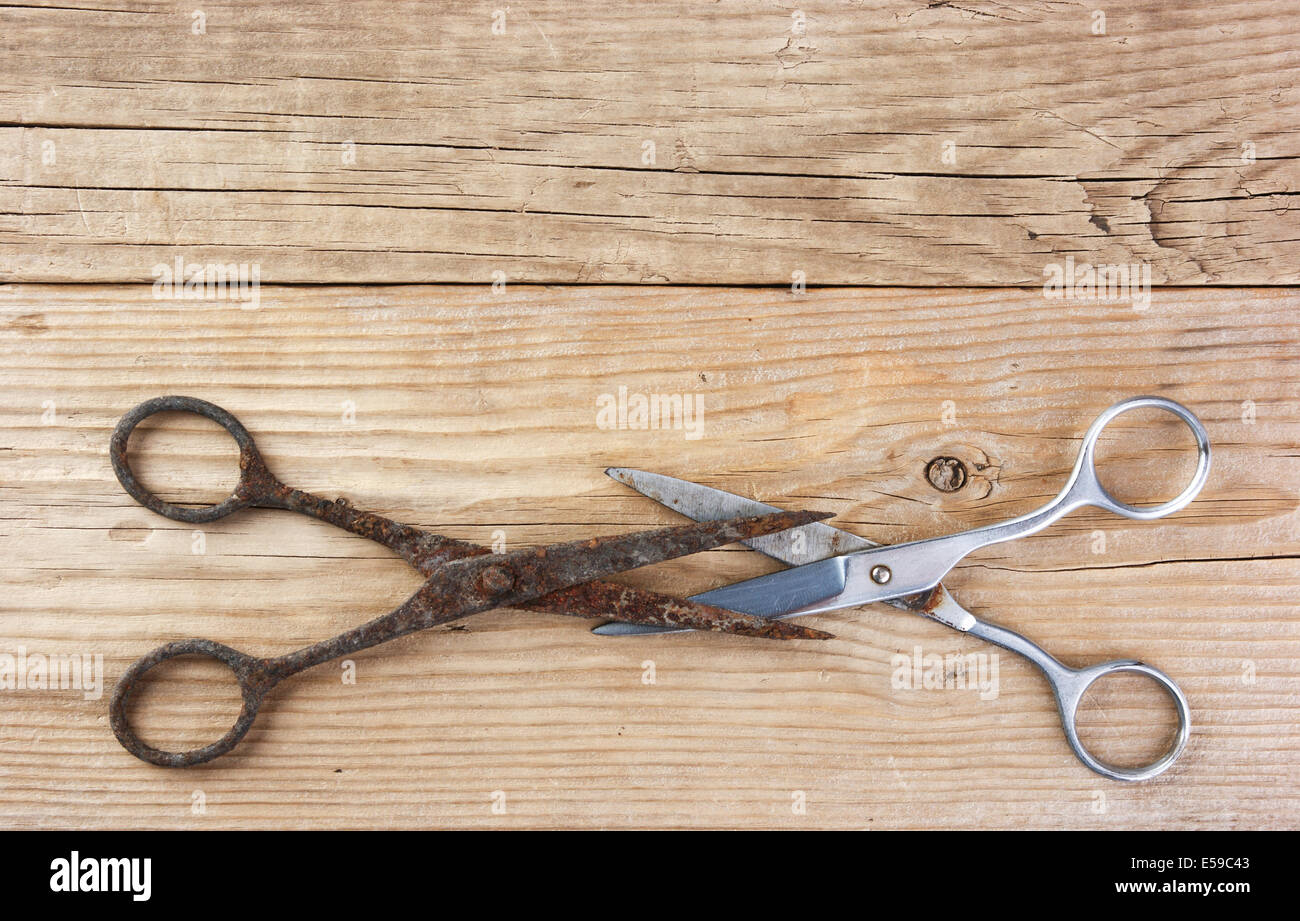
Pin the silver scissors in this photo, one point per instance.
(835, 569)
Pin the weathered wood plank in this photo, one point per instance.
(475, 413)
(390, 142)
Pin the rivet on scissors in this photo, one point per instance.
(880, 574)
(496, 579)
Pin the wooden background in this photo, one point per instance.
(405, 142)
(352, 150)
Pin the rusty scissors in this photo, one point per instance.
(834, 569)
(461, 579)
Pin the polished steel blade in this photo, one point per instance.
(796, 546)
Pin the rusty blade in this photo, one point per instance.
(513, 579)
(639, 606)
(599, 599)
(481, 583)
(427, 551)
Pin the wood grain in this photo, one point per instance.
(475, 413)
(406, 142)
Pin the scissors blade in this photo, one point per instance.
(480, 583)
(797, 547)
(809, 582)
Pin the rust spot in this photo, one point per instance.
(495, 579)
(922, 602)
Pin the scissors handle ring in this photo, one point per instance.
(1070, 687)
(254, 682)
(255, 480)
(1085, 485)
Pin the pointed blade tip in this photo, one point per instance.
(810, 517)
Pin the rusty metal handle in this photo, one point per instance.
(256, 484)
(255, 676)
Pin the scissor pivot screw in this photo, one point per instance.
(496, 579)
(880, 574)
